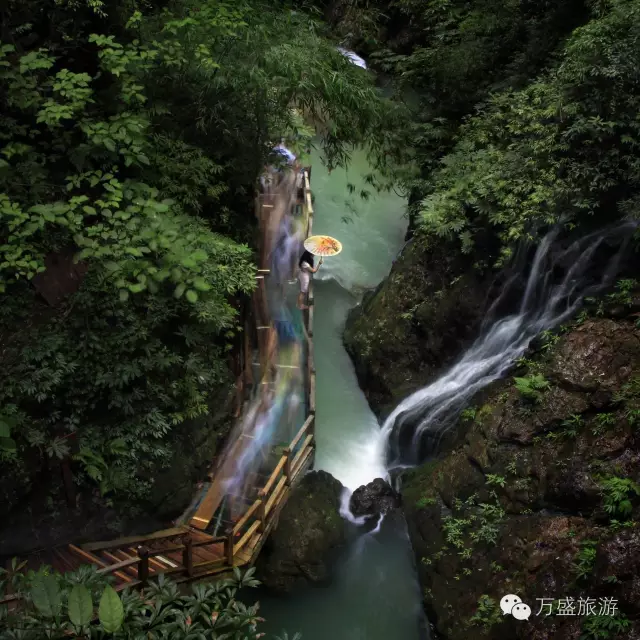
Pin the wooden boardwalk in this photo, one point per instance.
(189, 552)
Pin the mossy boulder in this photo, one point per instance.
(310, 531)
(418, 319)
(540, 496)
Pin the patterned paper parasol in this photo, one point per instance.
(323, 246)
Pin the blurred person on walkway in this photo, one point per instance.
(304, 276)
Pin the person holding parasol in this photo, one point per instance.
(314, 246)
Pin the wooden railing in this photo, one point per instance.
(241, 542)
(300, 453)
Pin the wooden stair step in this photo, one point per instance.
(132, 540)
(89, 557)
(170, 560)
(117, 555)
(199, 536)
(212, 552)
(65, 561)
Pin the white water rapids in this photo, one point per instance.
(430, 411)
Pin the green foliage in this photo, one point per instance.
(623, 292)
(65, 606)
(480, 524)
(80, 606)
(468, 414)
(487, 614)
(45, 595)
(495, 480)
(454, 530)
(575, 420)
(585, 559)
(425, 501)
(489, 520)
(131, 139)
(630, 391)
(604, 627)
(617, 495)
(531, 156)
(603, 421)
(531, 386)
(549, 340)
(530, 365)
(483, 412)
(571, 426)
(7, 443)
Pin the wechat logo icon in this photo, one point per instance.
(512, 604)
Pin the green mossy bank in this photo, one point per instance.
(310, 532)
(415, 323)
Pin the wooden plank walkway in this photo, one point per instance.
(188, 553)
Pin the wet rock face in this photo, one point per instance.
(302, 547)
(416, 322)
(524, 502)
(375, 498)
(597, 356)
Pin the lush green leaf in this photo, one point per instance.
(80, 606)
(110, 610)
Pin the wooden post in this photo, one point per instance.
(228, 547)
(287, 466)
(143, 565)
(262, 509)
(187, 554)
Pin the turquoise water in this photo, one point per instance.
(374, 594)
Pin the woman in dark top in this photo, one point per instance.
(304, 276)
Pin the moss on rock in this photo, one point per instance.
(415, 322)
(309, 531)
(540, 495)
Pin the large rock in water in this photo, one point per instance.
(377, 497)
(310, 531)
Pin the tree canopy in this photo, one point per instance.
(523, 113)
(131, 138)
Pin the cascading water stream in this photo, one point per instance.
(374, 593)
(429, 412)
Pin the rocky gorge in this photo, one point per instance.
(534, 492)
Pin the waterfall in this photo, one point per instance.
(425, 416)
